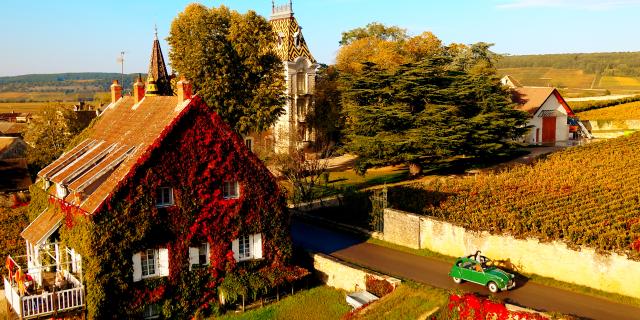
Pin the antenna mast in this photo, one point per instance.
(121, 61)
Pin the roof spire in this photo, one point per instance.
(155, 27)
(158, 69)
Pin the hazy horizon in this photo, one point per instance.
(78, 36)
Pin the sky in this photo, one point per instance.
(39, 36)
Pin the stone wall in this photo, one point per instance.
(611, 273)
(339, 274)
(402, 228)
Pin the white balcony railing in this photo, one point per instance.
(37, 305)
(70, 299)
(32, 306)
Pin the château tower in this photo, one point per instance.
(291, 131)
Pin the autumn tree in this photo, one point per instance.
(374, 30)
(49, 133)
(387, 47)
(228, 57)
(326, 116)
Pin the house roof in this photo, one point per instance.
(530, 99)
(510, 80)
(12, 128)
(43, 225)
(124, 133)
(15, 175)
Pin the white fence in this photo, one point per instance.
(43, 304)
(37, 305)
(70, 299)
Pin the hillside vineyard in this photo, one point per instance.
(582, 196)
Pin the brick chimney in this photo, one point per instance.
(116, 91)
(184, 89)
(138, 90)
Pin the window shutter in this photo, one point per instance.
(235, 246)
(137, 267)
(193, 256)
(208, 255)
(78, 263)
(257, 246)
(163, 262)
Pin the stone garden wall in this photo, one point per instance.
(611, 273)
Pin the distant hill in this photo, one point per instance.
(48, 87)
(620, 64)
(608, 72)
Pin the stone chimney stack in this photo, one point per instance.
(184, 89)
(116, 91)
(138, 90)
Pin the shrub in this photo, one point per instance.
(378, 287)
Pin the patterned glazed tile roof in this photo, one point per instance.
(290, 41)
(122, 135)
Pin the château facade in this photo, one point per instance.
(291, 131)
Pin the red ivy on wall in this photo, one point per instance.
(195, 155)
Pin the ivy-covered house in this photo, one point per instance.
(158, 207)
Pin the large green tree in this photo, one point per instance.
(228, 57)
(428, 110)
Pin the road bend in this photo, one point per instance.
(434, 272)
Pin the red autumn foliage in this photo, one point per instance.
(378, 287)
(472, 307)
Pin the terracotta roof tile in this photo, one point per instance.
(530, 99)
(43, 225)
(123, 133)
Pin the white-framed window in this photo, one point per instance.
(199, 256)
(164, 197)
(148, 260)
(248, 141)
(151, 311)
(203, 254)
(231, 190)
(301, 87)
(244, 249)
(150, 263)
(247, 247)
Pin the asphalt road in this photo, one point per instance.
(434, 272)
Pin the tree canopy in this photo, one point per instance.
(426, 111)
(228, 57)
(374, 30)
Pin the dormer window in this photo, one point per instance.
(231, 190)
(297, 39)
(164, 197)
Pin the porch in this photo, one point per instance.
(54, 290)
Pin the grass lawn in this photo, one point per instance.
(319, 303)
(3, 306)
(532, 277)
(409, 301)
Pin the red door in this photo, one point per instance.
(549, 129)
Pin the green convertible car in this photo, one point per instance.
(477, 269)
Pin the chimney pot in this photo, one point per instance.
(116, 91)
(184, 89)
(138, 89)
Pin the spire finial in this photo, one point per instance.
(273, 6)
(155, 27)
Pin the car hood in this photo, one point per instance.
(505, 276)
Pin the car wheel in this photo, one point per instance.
(457, 280)
(493, 287)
